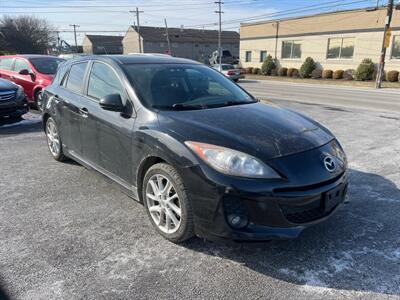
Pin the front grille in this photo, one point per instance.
(307, 187)
(7, 95)
(9, 109)
(304, 213)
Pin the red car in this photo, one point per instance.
(32, 72)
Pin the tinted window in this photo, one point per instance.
(6, 63)
(103, 81)
(167, 86)
(46, 65)
(20, 65)
(61, 73)
(76, 77)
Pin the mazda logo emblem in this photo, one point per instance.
(330, 163)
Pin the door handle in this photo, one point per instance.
(84, 112)
(12, 77)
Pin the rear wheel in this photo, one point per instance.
(54, 140)
(167, 203)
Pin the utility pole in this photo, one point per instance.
(167, 35)
(137, 12)
(385, 44)
(219, 12)
(76, 43)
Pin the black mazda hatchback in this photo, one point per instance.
(201, 154)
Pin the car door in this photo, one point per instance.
(112, 130)
(6, 65)
(27, 81)
(69, 98)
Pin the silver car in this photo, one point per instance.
(229, 71)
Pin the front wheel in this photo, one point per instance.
(167, 203)
(54, 140)
(38, 100)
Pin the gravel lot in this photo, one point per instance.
(66, 233)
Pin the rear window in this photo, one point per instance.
(227, 67)
(6, 63)
(46, 65)
(76, 77)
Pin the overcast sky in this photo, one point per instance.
(112, 16)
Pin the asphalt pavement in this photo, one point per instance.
(66, 233)
(332, 95)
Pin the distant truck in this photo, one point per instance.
(227, 58)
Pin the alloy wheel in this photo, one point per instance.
(52, 138)
(163, 203)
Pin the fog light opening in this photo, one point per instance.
(237, 221)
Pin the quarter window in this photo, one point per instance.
(76, 77)
(6, 63)
(340, 48)
(396, 47)
(291, 49)
(263, 56)
(248, 56)
(103, 81)
(20, 65)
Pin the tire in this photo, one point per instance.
(53, 137)
(162, 211)
(37, 100)
(236, 80)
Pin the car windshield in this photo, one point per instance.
(46, 65)
(184, 86)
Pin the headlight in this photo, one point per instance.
(20, 93)
(232, 162)
(339, 153)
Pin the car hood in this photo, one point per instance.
(6, 85)
(261, 130)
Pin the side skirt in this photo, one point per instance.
(125, 187)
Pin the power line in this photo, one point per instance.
(286, 12)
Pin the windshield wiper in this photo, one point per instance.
(179, 106)
(230, 103)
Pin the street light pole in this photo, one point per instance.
(219, 12)
(385, 44)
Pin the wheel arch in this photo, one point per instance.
(144, 166)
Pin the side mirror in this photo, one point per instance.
(112, 102)
(24, 72)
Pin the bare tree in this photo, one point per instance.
(25, 34)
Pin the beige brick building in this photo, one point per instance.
(338, 40)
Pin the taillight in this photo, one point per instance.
(231, 72)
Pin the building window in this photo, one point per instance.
(248, 56)
(263, 56)
(162, 45)
(396, 47)
(174, 45)
(291, 49)
(340, 48)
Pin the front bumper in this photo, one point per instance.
(13, 108)
(271, 209)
